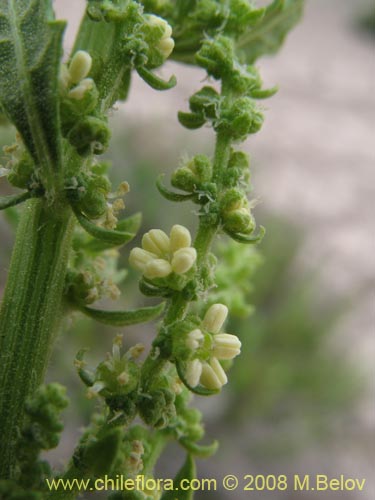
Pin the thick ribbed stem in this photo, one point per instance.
(30, 314)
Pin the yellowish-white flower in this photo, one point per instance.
(79, 66)
(161, 254)
(76, 75)
(166, 42)
(224, 346)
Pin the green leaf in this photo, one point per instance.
(129, 225)
(30, 53)
(155, 81)
(111, 237)
(244, 238)
(191, 121)
(264, 93)
(123, 318)
(171, 195)
(187, 473)
(267, 36)
(199, 450)
(12, 200)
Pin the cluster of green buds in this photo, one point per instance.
(162, 256)
(204, 347)
(83, 124)
(235, 212)
(20, 168)
(116, 380)
(145, 41)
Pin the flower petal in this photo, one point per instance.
(226, 346)
(139, 258)
(157, 268)
(215, 317)
(193, 372)
(180, 237)
(156, 241)
(183, 260)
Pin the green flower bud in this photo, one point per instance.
(124, 404)
(93, 204)
(91, 134)
(232, 200)
(240, 221)
(216, 56)
(239, 159)
(240, 119)
(183, 178)
(235, 212)
(157, 408)
(192, 174)
(205, 102)
(22, 172)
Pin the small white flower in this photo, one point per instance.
(213, 375)
(166, 43)
(225, 346)
(161, 254)
(80, 90)
(194, 339)
(215, 318)
(79, 66)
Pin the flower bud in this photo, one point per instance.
(183, 178)
(239, 221)
(226, 346)
(139, 258)
(213, 375)
(90, 134)
(156, 241)
(216, 56)
(179, 238)
(215, 317)
(80, 90)
(183, 260)
(239, 119)
(157, 268)
(205, 102)
(166, 44)
(80, 66)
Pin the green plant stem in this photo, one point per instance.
(207, 231)
(30, 313)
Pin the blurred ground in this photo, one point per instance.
(313, 163)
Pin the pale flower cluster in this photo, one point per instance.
(166, 44)
(162, 255)
(76, 74)
(225, 346)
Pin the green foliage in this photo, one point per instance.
(68, 239)
(29, 68)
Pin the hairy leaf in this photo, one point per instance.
(186, 473)
(124, 318)
(111, 237)
(200, 450)
(30, 53)
(267, 36)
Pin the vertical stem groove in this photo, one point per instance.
(30, 314)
